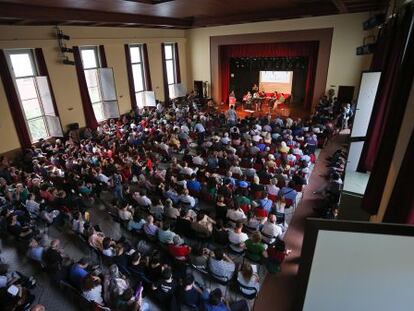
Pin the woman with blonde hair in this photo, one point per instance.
(284, 147)
(248, 278)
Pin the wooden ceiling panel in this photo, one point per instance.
(180, 14)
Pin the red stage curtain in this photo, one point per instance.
(285, 49)
(41, 64)
(90, 118)
(148, 83)
(384, 60)
(14, 102)
(393, 92)
(401, 205)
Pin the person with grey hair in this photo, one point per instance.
(115, 283)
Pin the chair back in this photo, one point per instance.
(242, 287)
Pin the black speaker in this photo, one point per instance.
(198, 88)
(366, 49)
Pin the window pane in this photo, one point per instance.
(45, 96)
(138, 79)
(22, 65)
(170, 72)
(26, 87)
(135, 54)
(98, 110)
(168, 51)
(89, 59)
(91, 76)
(37, 129)
(31, 108)
(94, 94)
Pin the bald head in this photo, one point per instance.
(38, 307)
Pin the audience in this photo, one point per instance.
(249, 175)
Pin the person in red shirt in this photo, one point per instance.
(179, 250)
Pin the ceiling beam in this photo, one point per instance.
(67, 14)
(340, 5)
(321, 8)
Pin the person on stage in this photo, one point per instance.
(232, 99)
(274, 100)
(257, 101)
(248, 99)
(255, 88)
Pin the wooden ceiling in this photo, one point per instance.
(181, 14)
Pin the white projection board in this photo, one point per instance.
(280, 81)
(365, 103)
(177, 90)
(276, 76)
(145, 99)
(361, 271)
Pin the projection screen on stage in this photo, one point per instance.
(280, 81)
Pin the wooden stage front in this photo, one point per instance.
(284, 110)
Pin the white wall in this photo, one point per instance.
(344, 66)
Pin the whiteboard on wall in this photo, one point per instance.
(365, 103)
(360, 271)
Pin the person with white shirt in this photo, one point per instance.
(271, 230)
(225, 140)
(198, 160)
(187, 199)
(236, 214)
(92, 289)
(201, 131)
(125, 212)
(142, 199)
(188, 171)
(32, 206)
(237, 238)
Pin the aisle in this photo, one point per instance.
(278, 291)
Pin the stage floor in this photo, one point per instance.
(290, 110)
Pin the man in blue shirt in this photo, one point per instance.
(78, 271)
(193, 184)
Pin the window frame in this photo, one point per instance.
(35, 69)
(94, 48)
(142, 62)
(174, 62)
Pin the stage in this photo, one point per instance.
(283, 110)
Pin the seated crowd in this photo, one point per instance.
(195, 190)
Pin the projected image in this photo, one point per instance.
(280, 81)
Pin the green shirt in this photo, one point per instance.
(244, 200)
(254, 250)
